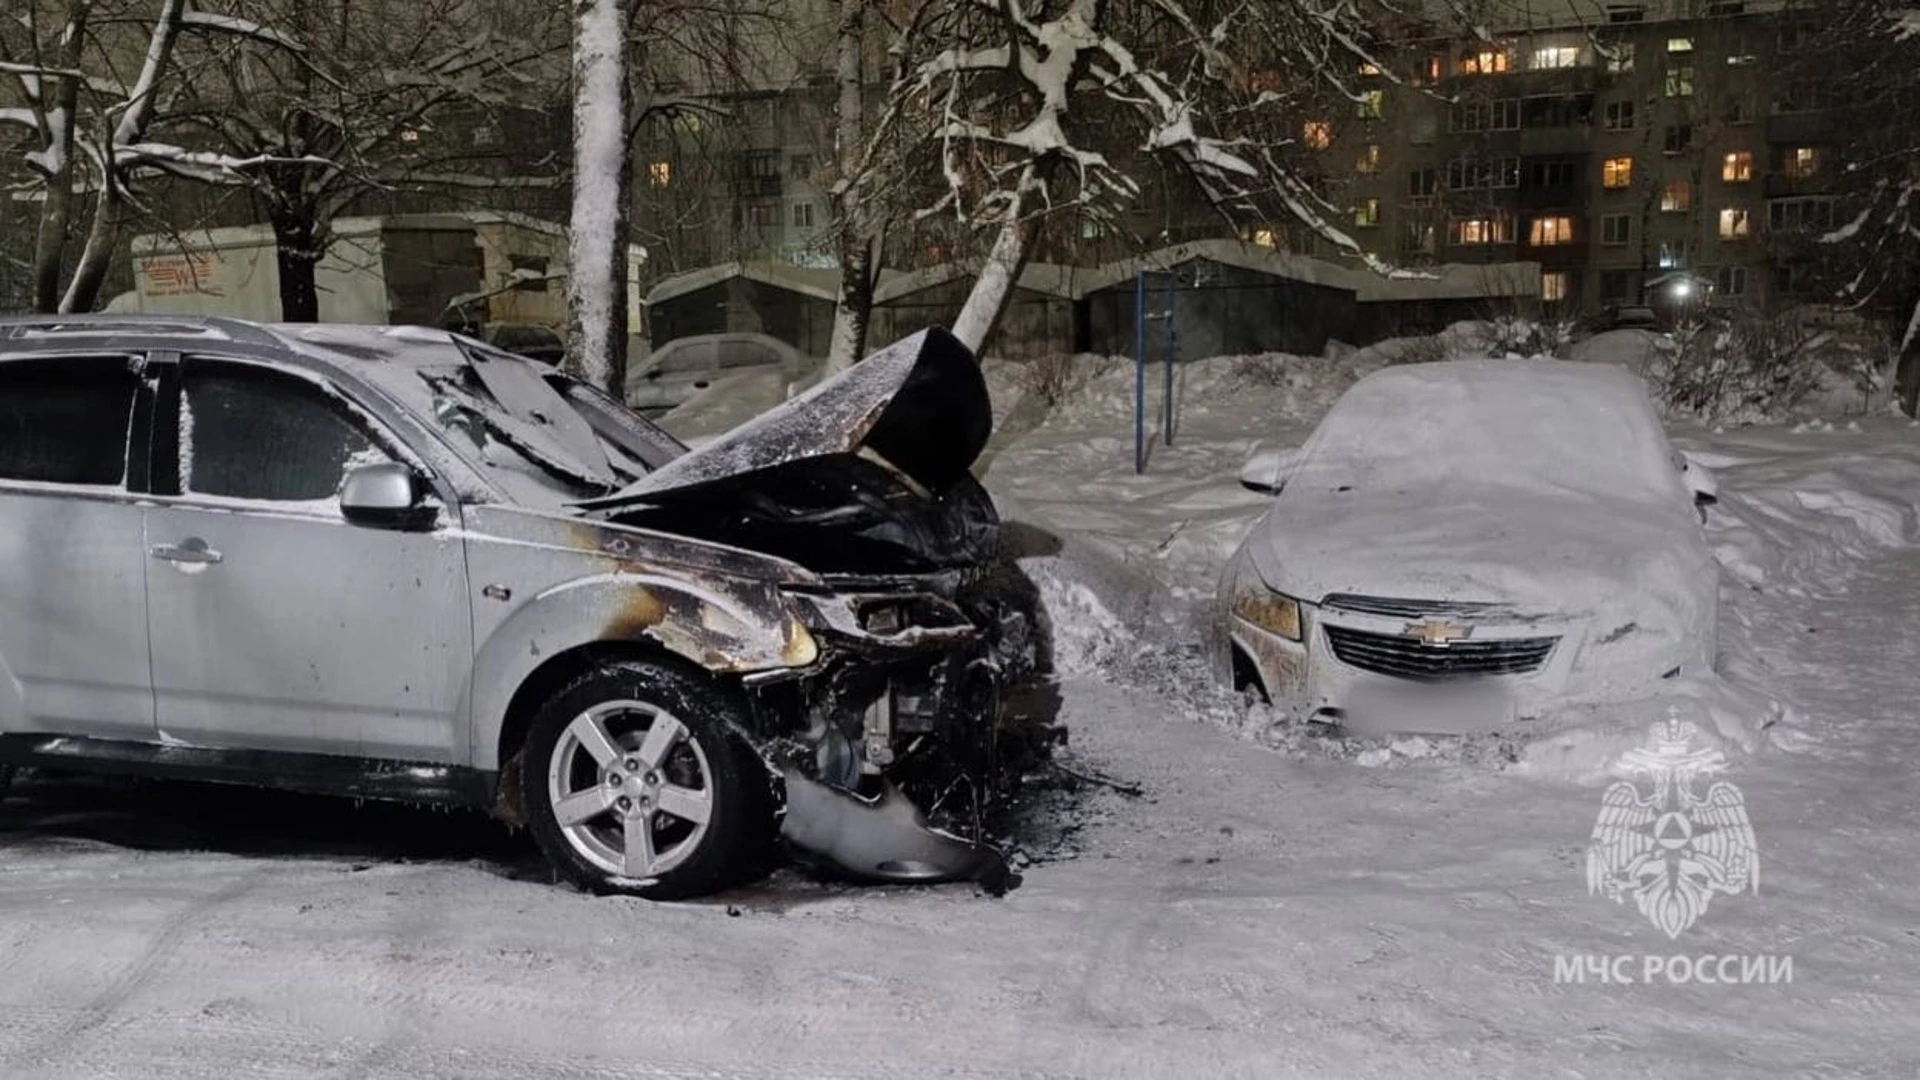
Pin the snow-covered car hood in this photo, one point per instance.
(1540, 554)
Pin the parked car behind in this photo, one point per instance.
(683, 367)
(399, 563)
(1463, 545)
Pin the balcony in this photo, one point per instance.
(1550, 141)
(1552, 197)
(1806, 127)
(1781, 186)
(751, 185)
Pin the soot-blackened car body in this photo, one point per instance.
(397, 563)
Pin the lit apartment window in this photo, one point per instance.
(1366, 213)
(1616, 229)
(1557, 56)
(1369, 159)
(1802, 162)
(1737, 167)
(1262, 237)
(1673, 256)
(1731, 281)
(1369, 68)
(1733, 224)
(1317, 134)
(1620, 58)
(1473, 232)
(1370, 105)
(1676, 197)
(1618, 116)
(1616, 173)
(660, 173)
(1491, 60)
(1436, 68)
(1555, 286)
(1680, 80)
(1550, 231)
(1680, 45)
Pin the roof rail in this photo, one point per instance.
(214, 327)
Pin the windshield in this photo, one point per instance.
(1544, 429)
(543, 438)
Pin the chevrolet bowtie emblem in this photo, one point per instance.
(1439, 632)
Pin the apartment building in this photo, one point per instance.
(1641, 152)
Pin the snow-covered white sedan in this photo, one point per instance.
(1464, 545)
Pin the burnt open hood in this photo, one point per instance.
(866, 472)
(918, 406)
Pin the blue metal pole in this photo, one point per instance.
(1140, 372)
(1166, 404)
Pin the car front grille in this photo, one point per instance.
(1397, 608)
(1406, 657)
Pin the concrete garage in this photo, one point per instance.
(1041, 317)
(1228, 298)
(794, 304)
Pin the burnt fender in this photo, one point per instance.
(727, 626)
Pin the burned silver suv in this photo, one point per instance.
(398, 563)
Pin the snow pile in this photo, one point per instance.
(1747, 370)
(1801, 507)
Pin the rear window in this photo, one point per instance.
(65, 420)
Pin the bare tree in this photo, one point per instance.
(340, 100)
(1865, 55)
(1029, 108)
(229, 93)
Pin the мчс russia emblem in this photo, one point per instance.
(1669, 848)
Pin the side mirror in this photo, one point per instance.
(1265, 472)
(1700, 480)
(387, 495)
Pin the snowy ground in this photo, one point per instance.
(1269, 907)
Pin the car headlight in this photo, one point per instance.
(1270, 611)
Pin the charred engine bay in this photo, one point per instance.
(836, 515)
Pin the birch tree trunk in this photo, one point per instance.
(83, 292)
(56, 161)
(857, 247)
(597, 229)
(1012, 246)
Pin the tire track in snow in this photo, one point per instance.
(72, 1037)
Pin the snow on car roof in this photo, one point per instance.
(1542, 424)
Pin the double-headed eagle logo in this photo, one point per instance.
(1670, 849)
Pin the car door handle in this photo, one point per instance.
(191, 550)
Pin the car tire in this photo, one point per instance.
(636, 779)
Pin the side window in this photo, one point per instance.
(66, 420)
(248, 433)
